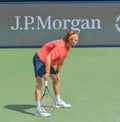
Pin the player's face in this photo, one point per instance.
(73, 39)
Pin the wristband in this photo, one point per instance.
(58, 68)
(47, 69)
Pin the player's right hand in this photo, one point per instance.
(46, 76)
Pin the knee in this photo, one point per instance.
(53, 77)
(39, 82)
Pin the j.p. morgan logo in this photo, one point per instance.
(49, 23)
(117, 23)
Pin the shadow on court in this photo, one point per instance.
(20, 108)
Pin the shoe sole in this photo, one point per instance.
(42, 115)
(61, 107)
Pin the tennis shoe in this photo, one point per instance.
(40, 112)
(62, 104)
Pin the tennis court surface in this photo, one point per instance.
(90, 81)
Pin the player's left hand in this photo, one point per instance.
(58, 76)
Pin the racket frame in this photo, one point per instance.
(47, 92)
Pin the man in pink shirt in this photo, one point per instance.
(52, 54)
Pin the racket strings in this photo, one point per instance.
(48, 103)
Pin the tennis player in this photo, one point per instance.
(48, 62)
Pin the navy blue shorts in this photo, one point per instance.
(39, 67)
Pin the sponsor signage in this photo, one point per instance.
(32, 25)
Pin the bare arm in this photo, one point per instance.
(59, 66)
(47, 67)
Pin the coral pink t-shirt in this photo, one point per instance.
(56, 49)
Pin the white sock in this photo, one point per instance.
(57, 98)
(38, 104)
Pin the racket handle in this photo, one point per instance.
(46, 83)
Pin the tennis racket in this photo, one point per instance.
(47, 100)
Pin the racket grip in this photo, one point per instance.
(46, 83)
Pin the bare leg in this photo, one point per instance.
(39, 82)
(56, 88)
(39, 111)
(56, 85)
